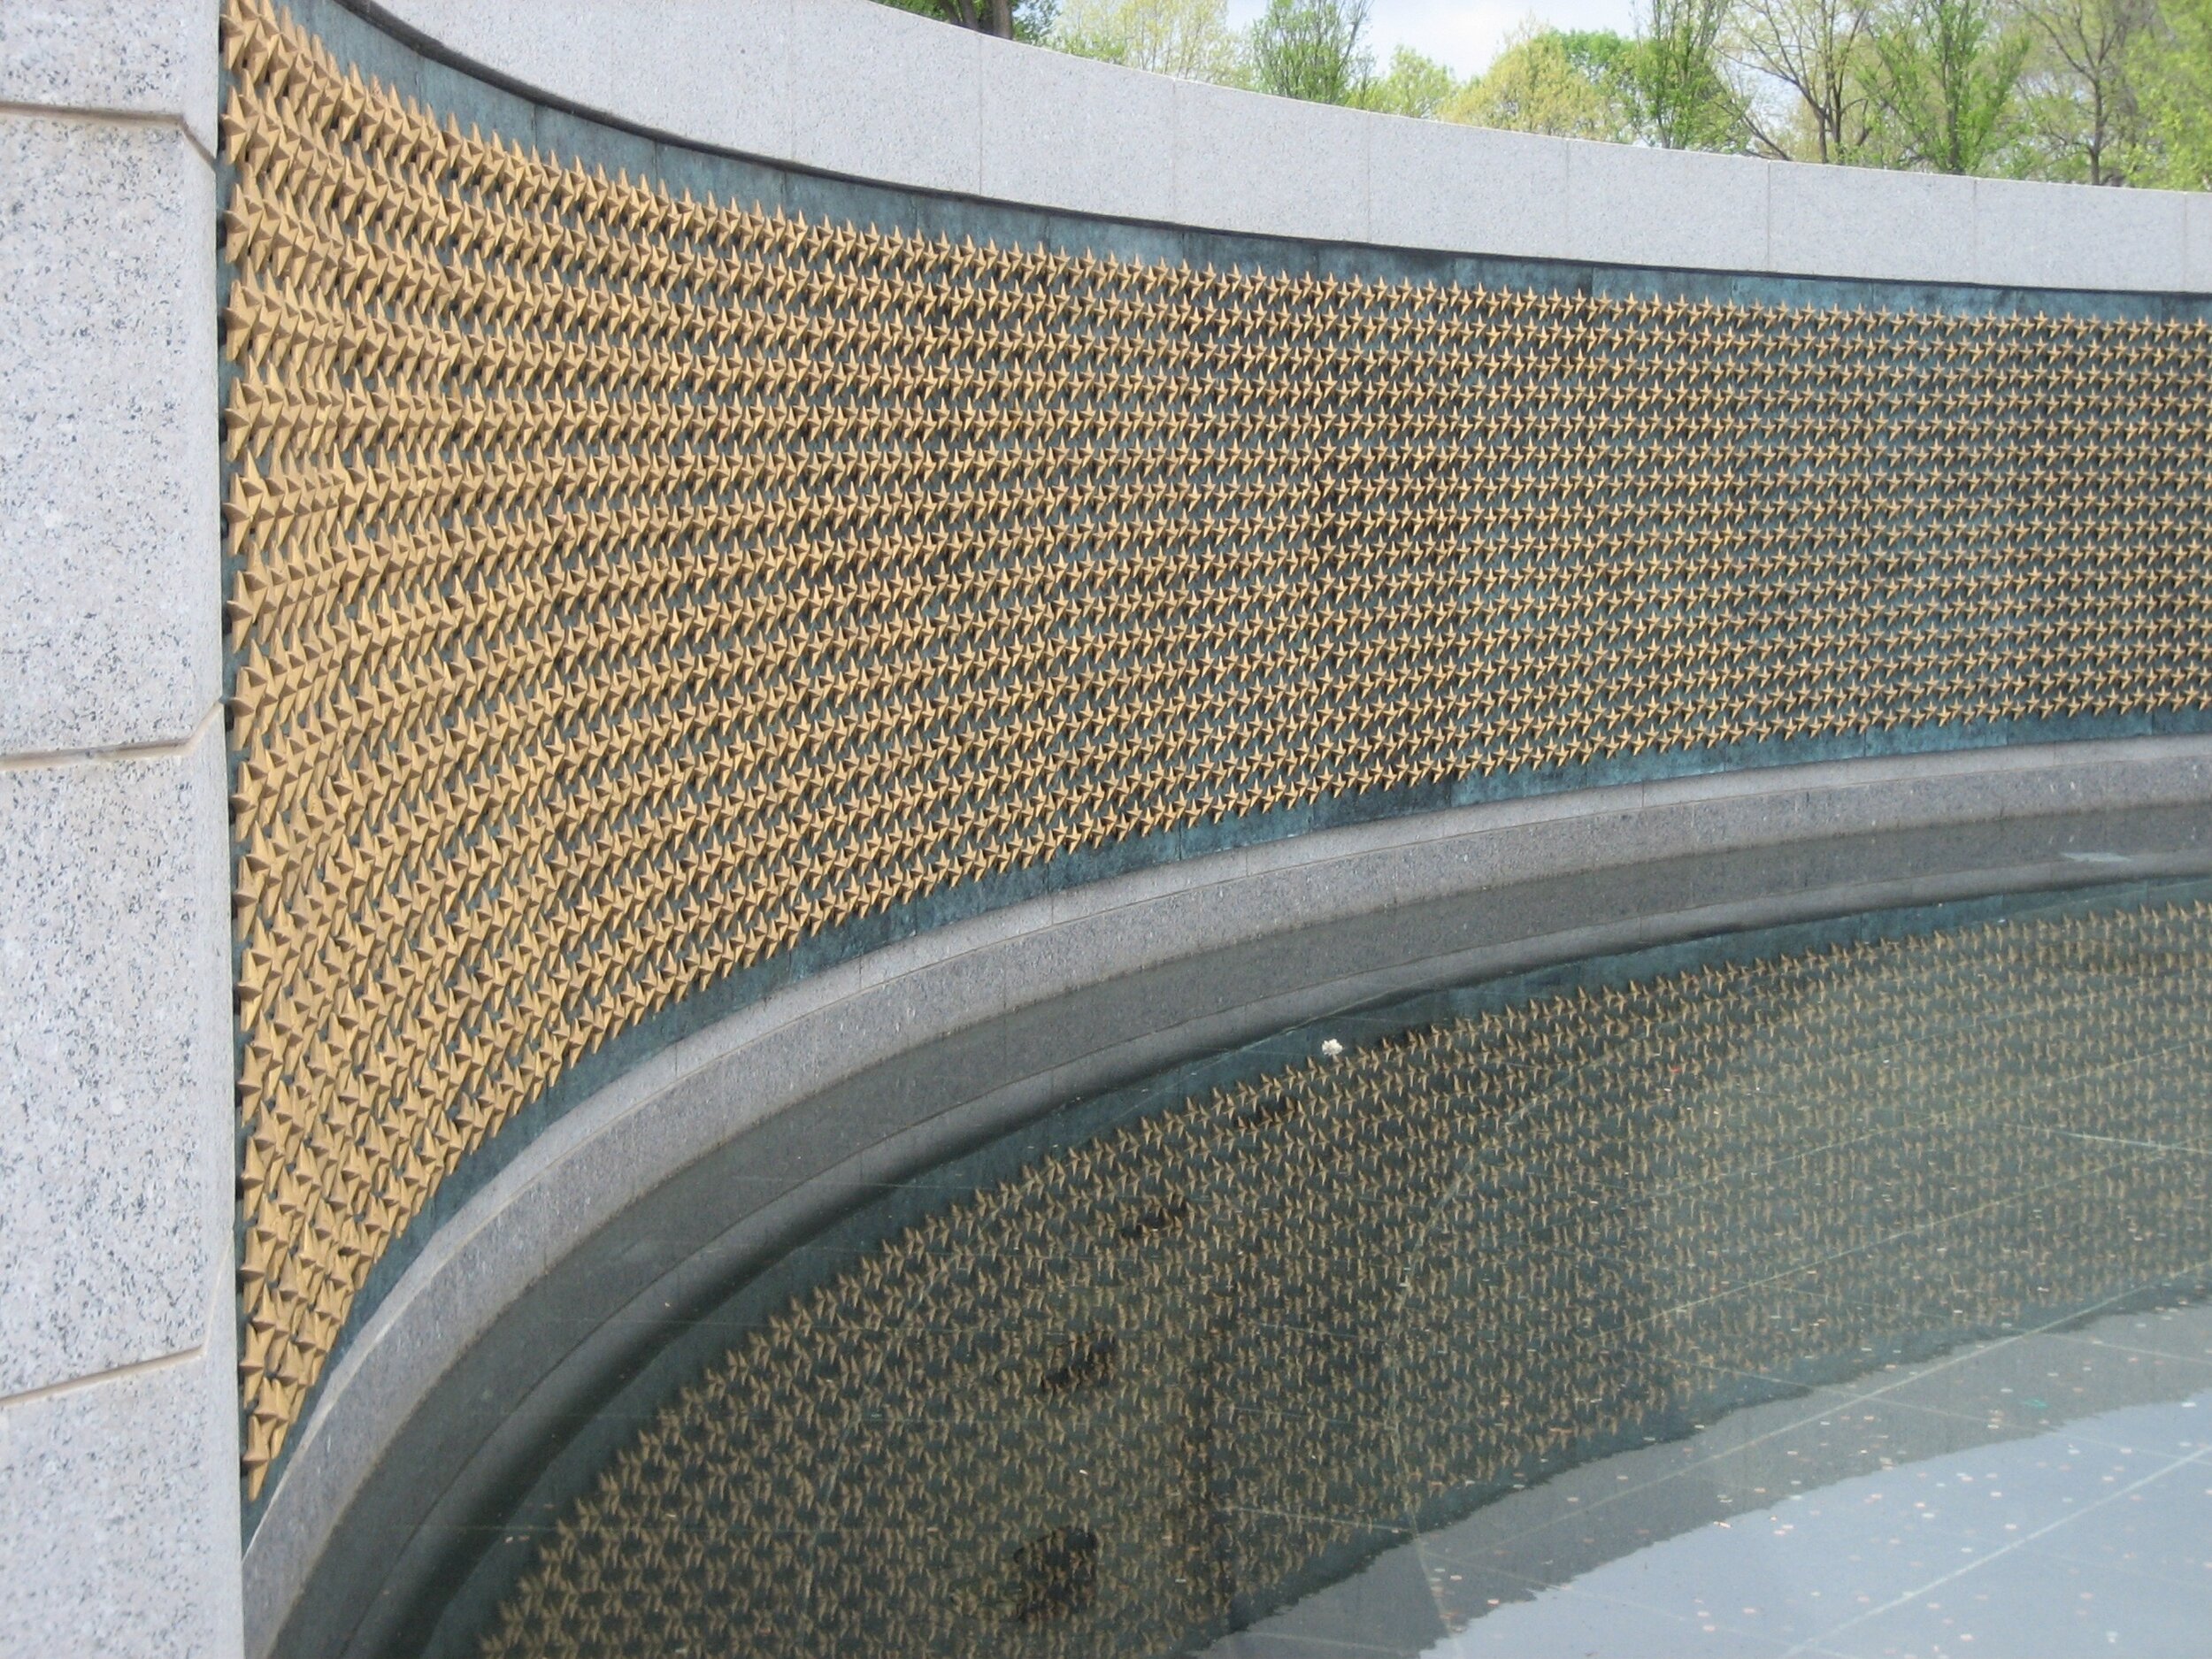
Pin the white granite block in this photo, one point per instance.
(118, 1516)
(712, 74)
(566, 50)
(111, 582)
(1273, 166)
(1627, 205)
(882, 94)
(1856, 221)
(115, 1059)
(706, 71)
(2196, 276)
(2076, 236)
(1068, 132)
(134, 57)
(1466, 190)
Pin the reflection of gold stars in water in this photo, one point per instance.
(1098, 1407)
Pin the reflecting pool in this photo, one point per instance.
(1831, 1288)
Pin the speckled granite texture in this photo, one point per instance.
(118, 1426)
(108, 488)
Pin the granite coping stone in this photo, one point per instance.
(872, 92)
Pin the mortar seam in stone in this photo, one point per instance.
(33, 760)
(119, 117)
(92, 1379)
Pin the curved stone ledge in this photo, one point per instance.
(712, 1088)
(863, 90)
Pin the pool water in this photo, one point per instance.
(1840, 1288)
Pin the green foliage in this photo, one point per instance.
(2094, 91)
(2175, 67)
(1018, 19)
(1310, 49)
(1414, 85)
(1942, 75)
(1805, 63)
(1548, 81)
(2080, 117)
(1600, 54)
(1189, 38)
(1672, 80)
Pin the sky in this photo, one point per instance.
(1465, 35)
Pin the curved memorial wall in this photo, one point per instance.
(656, 575)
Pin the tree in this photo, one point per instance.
(1310, 49)
(2174, 64)
(1814, 53)
(2079, 112)
(1415, 85)
(1673, 81)
(1943, 72)
(1009, 19)
(1548, 81)
(1191, 39)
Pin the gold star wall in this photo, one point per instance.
(625, 588)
